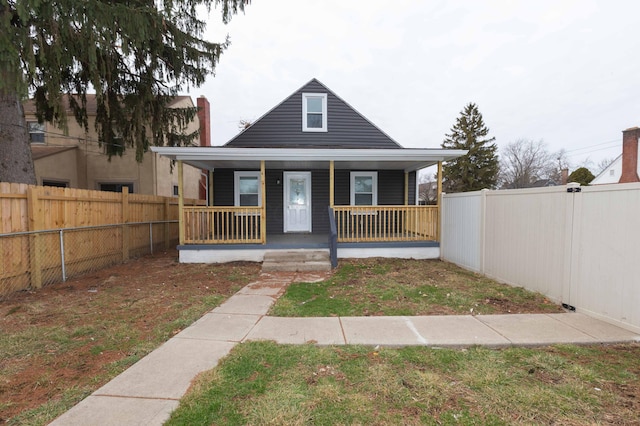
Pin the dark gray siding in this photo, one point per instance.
(320, 201)
(282, 126)
(223, 187)
(412, 188)
(223, 196)
(274, 201)
(390, 192)
(341, 194)
(390, 187)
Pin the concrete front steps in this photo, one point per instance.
(296, 261)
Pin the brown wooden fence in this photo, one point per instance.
(100, 229)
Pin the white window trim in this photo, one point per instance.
(324, 127)
(236, 187)
(374, 180)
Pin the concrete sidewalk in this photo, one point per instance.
(151, 389)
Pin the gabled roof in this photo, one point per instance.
(605, 176)
(281, 127)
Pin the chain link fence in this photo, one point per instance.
(36, 259)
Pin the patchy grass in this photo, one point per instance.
(380, 286)
(59, 344)
(265, 383)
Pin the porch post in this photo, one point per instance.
(439, 199)
(406, 188)
(331, 182)
(263, 209)
(180, 203)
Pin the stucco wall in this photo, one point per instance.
(90, 166)
(58, 167)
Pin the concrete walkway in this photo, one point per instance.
(151, 389)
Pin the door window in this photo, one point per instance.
(297, 191)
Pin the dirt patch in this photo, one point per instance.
(68, 339)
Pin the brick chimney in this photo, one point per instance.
(204, 117)
(630, 155)
(564, 176)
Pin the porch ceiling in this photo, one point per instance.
(406, 159)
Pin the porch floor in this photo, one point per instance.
(307, 241)
(301, 241)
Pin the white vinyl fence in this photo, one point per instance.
(578, 246)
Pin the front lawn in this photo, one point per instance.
(380, 286)
(60, 343)
(262, 383)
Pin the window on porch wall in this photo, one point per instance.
(247, 189)
(364, 188)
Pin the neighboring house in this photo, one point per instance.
(625, 168)
(76, 160)
(274, 182)
(543, 183)
(428, 193)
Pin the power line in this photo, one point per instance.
(589, 152)
(591, 146)
(84, 138)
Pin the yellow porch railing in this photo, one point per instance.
(243, 225)
(222, 225)
(386, 223)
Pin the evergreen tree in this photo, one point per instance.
(582, 175)
(135, 55)
(479, 168)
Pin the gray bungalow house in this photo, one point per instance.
(312, 173)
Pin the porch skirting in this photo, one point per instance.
(255, 252)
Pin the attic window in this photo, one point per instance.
(314, 112)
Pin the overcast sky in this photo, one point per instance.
(566, 72)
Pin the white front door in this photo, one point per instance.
(297, 201)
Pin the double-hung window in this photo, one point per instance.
(36, 132)
(247, 189)
(364, 188)
(314, 112)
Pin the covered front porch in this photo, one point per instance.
(357, 224)
(383, 221)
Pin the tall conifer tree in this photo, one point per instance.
(479, 168)
(135, 55)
